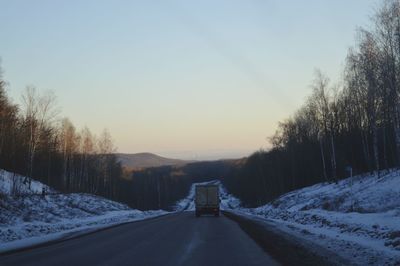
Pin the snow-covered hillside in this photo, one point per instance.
(31, 219)
(358, 218)
(11, 183)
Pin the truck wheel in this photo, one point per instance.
(217, 214)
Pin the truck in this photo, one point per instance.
(207, 200)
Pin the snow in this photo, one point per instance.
(11, 182)
(358, 218)
(26, 235)
(31, 219)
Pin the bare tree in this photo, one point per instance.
(106, 148)
(370, 64)
(68, 141)
(39, 112)
(87, 148)
(387, 34)
(321, 102)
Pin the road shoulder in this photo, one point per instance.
(285, 248)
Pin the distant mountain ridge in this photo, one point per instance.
(146, 159)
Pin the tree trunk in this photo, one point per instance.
(375, 146)
(323, 159)
(385, 161)
(364, 140)
(333, 159)
(397, 133)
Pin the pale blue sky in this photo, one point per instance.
(189, 79)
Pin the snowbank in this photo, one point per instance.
(11, 182)
(358, 218)
(31, 219)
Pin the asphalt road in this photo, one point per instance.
(177, 239)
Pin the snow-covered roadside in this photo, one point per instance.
(358, 219)
(30, 234)
(31, 219)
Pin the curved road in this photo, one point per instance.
(176, 239)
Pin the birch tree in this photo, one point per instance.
(39, 112)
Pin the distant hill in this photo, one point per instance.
(145, 160)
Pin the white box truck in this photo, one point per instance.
(207, 200)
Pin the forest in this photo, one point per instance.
(352, 125)
(349, 125)
(35, 142)
(165, 185)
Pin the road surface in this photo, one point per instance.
(176, 239)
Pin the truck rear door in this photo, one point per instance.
(213, 199)
(201, 196)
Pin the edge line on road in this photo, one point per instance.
(77, 234)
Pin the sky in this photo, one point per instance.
(184, 79)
